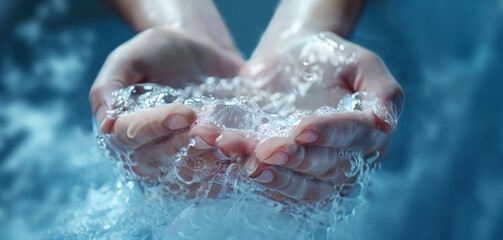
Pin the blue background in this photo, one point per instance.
(442, 177)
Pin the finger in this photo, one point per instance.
(268, 147)
(280, 151)
(320, 162)
(323, 163)
(199, 146)
(146, 126)
(205, 138)
(152, 159)
(228, 143)
(293, 185)
(235, 144)
(117, 73)
(349, 130)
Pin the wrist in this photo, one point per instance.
(141, 15)
(300, 16)
(196, 17)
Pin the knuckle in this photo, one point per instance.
(369, 56)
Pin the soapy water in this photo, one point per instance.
(249, 106)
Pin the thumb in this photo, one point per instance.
(114, 75)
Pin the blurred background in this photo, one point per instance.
(442, 177)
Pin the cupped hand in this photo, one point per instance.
(166, 56)
(322, 150)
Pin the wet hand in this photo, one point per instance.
(165, 56)
(320, 151)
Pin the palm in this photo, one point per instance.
(177, 58)
(162, 56)
(314, 69)
(318, 71)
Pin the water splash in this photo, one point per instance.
(249, 106)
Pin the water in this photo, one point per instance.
(440, 179)
(243, 105)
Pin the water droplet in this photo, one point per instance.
(101, 141)
(308, 77)
(260, 115)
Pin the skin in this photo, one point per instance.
(165, 26)
(298, 18)
(311, 149)
(171, 49)
(313, 146)
(178, 48)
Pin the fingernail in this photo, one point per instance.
(200, 144)
(177, 122)
(278, 158)
(250, 167)
(133, 128)
(265, 177)
(370, 158)
(101, 112)
(101, 115)
(308, 136)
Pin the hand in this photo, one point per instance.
(161, 55)
(322, 150)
